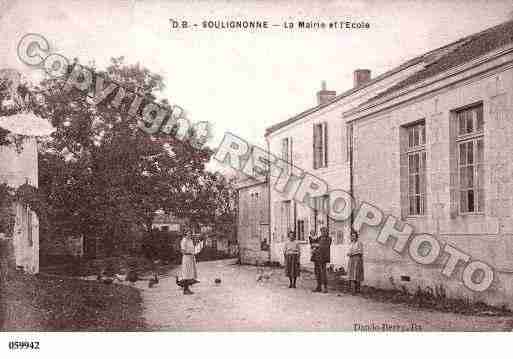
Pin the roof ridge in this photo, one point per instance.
(447, 60)
(456, 45)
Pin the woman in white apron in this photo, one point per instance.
(189, 251)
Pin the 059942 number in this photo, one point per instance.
(23, 345)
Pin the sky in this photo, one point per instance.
(244, 81)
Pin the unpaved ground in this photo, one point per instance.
(241, 303)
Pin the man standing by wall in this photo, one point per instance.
(322, 257)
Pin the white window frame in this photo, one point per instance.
(471, 137)
(416, 151)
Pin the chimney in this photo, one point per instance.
(324, 96)
(361, 77)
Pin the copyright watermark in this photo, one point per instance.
(34, 50)
(423, 248)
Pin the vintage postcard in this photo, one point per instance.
(255, 166)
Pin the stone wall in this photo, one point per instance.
(485, 236)
(336, 173)
(253, 223)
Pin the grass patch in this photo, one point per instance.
(50, 303)
(425, 299)
(81, 267)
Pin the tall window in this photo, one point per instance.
(286, 152)
(300, 230)
(285, 149)
(349, 141)
(319, 215)
(253, 220)
(287, 218)
(416, 152)
(320, 145)
(470, 142)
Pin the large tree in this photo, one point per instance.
(100, 174)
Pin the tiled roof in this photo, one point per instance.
(437, 61)
(291, 120)
(469, 48)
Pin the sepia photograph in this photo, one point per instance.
(329, 167)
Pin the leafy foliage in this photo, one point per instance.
(6, 211)
(104, 177)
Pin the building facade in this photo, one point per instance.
(17, 167)
(253, 221)
(315, 141)
(440, 160)
(427, 142)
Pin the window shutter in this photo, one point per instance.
(325, 149)
(277, 224)
(291, 159)
(320, 146)
(285, 149)
(314, 146)
(294, 217)
(288, 219)
(283, 227)
(348, 141)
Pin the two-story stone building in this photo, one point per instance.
(428, 142)
(435, 150)
(316, 141)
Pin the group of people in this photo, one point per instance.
(321, 256)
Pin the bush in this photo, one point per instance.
(161, 246)
(57, 259)
(212, 254)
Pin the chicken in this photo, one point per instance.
(132, 276)
(180, 282)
